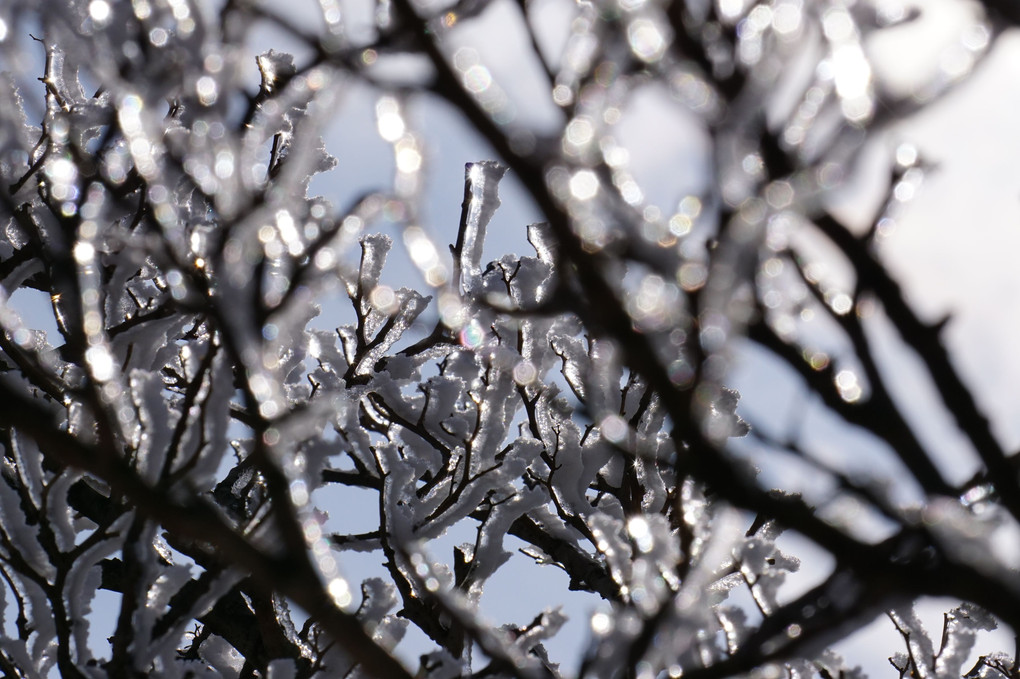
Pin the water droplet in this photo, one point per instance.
(389, 121)
(906, 155)
(840, 302)
(614, 428)
(271, 436)
(579, 133)
(289, 233)
(158, 36)
(299, 493)
(22, 337)
(853, 79)
(601, 624)
(641, 533)
(99, 10)
(786, 19)
(180, 9)
(680, 225)
(838, 25)
(472, 334)
(681, 373)
(312, 530)
(779, 194)
(327, 565)
(224, 166)
(692, 276)
(451, 311)
(818, 360)
(93, 322)
(409, 159)
(477, 79)
(525, 373)
(207, 89)
(848, 386)
(731, 9)
(100, 362)
(646, 40)
(84, 252)
(584, 185)
(424, 254)
(563, 95)
(384, 299)
(340, 591)
(62, 174)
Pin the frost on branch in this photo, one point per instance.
(960, 627)
(231, 359)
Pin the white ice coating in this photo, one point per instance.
(482, 199)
